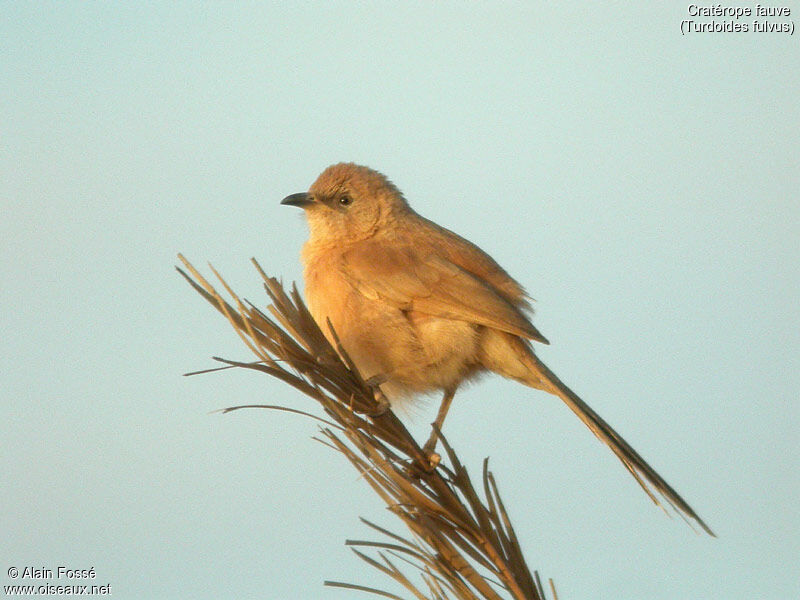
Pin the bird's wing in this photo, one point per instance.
(413, 280)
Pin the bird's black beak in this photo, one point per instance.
(300, 200)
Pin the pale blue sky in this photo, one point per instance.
(642, 185)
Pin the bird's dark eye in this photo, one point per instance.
(345, 200)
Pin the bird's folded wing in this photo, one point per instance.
(413, 280)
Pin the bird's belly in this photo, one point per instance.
(450, 346)
(411, 352)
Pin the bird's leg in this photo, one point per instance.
(436, 427)
(376, 380)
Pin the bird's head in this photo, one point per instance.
(349, 202)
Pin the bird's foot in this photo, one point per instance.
(433, 461)
(382, 403)
(425, 464)
(428, 450)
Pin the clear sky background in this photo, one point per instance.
(642, 185)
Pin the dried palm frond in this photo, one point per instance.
(460, 546)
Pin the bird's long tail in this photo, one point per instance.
(652, 483)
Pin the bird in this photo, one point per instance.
(419, 309)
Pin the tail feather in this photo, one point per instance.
(644, 474)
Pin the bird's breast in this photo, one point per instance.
(326, 288)
(415, 351)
